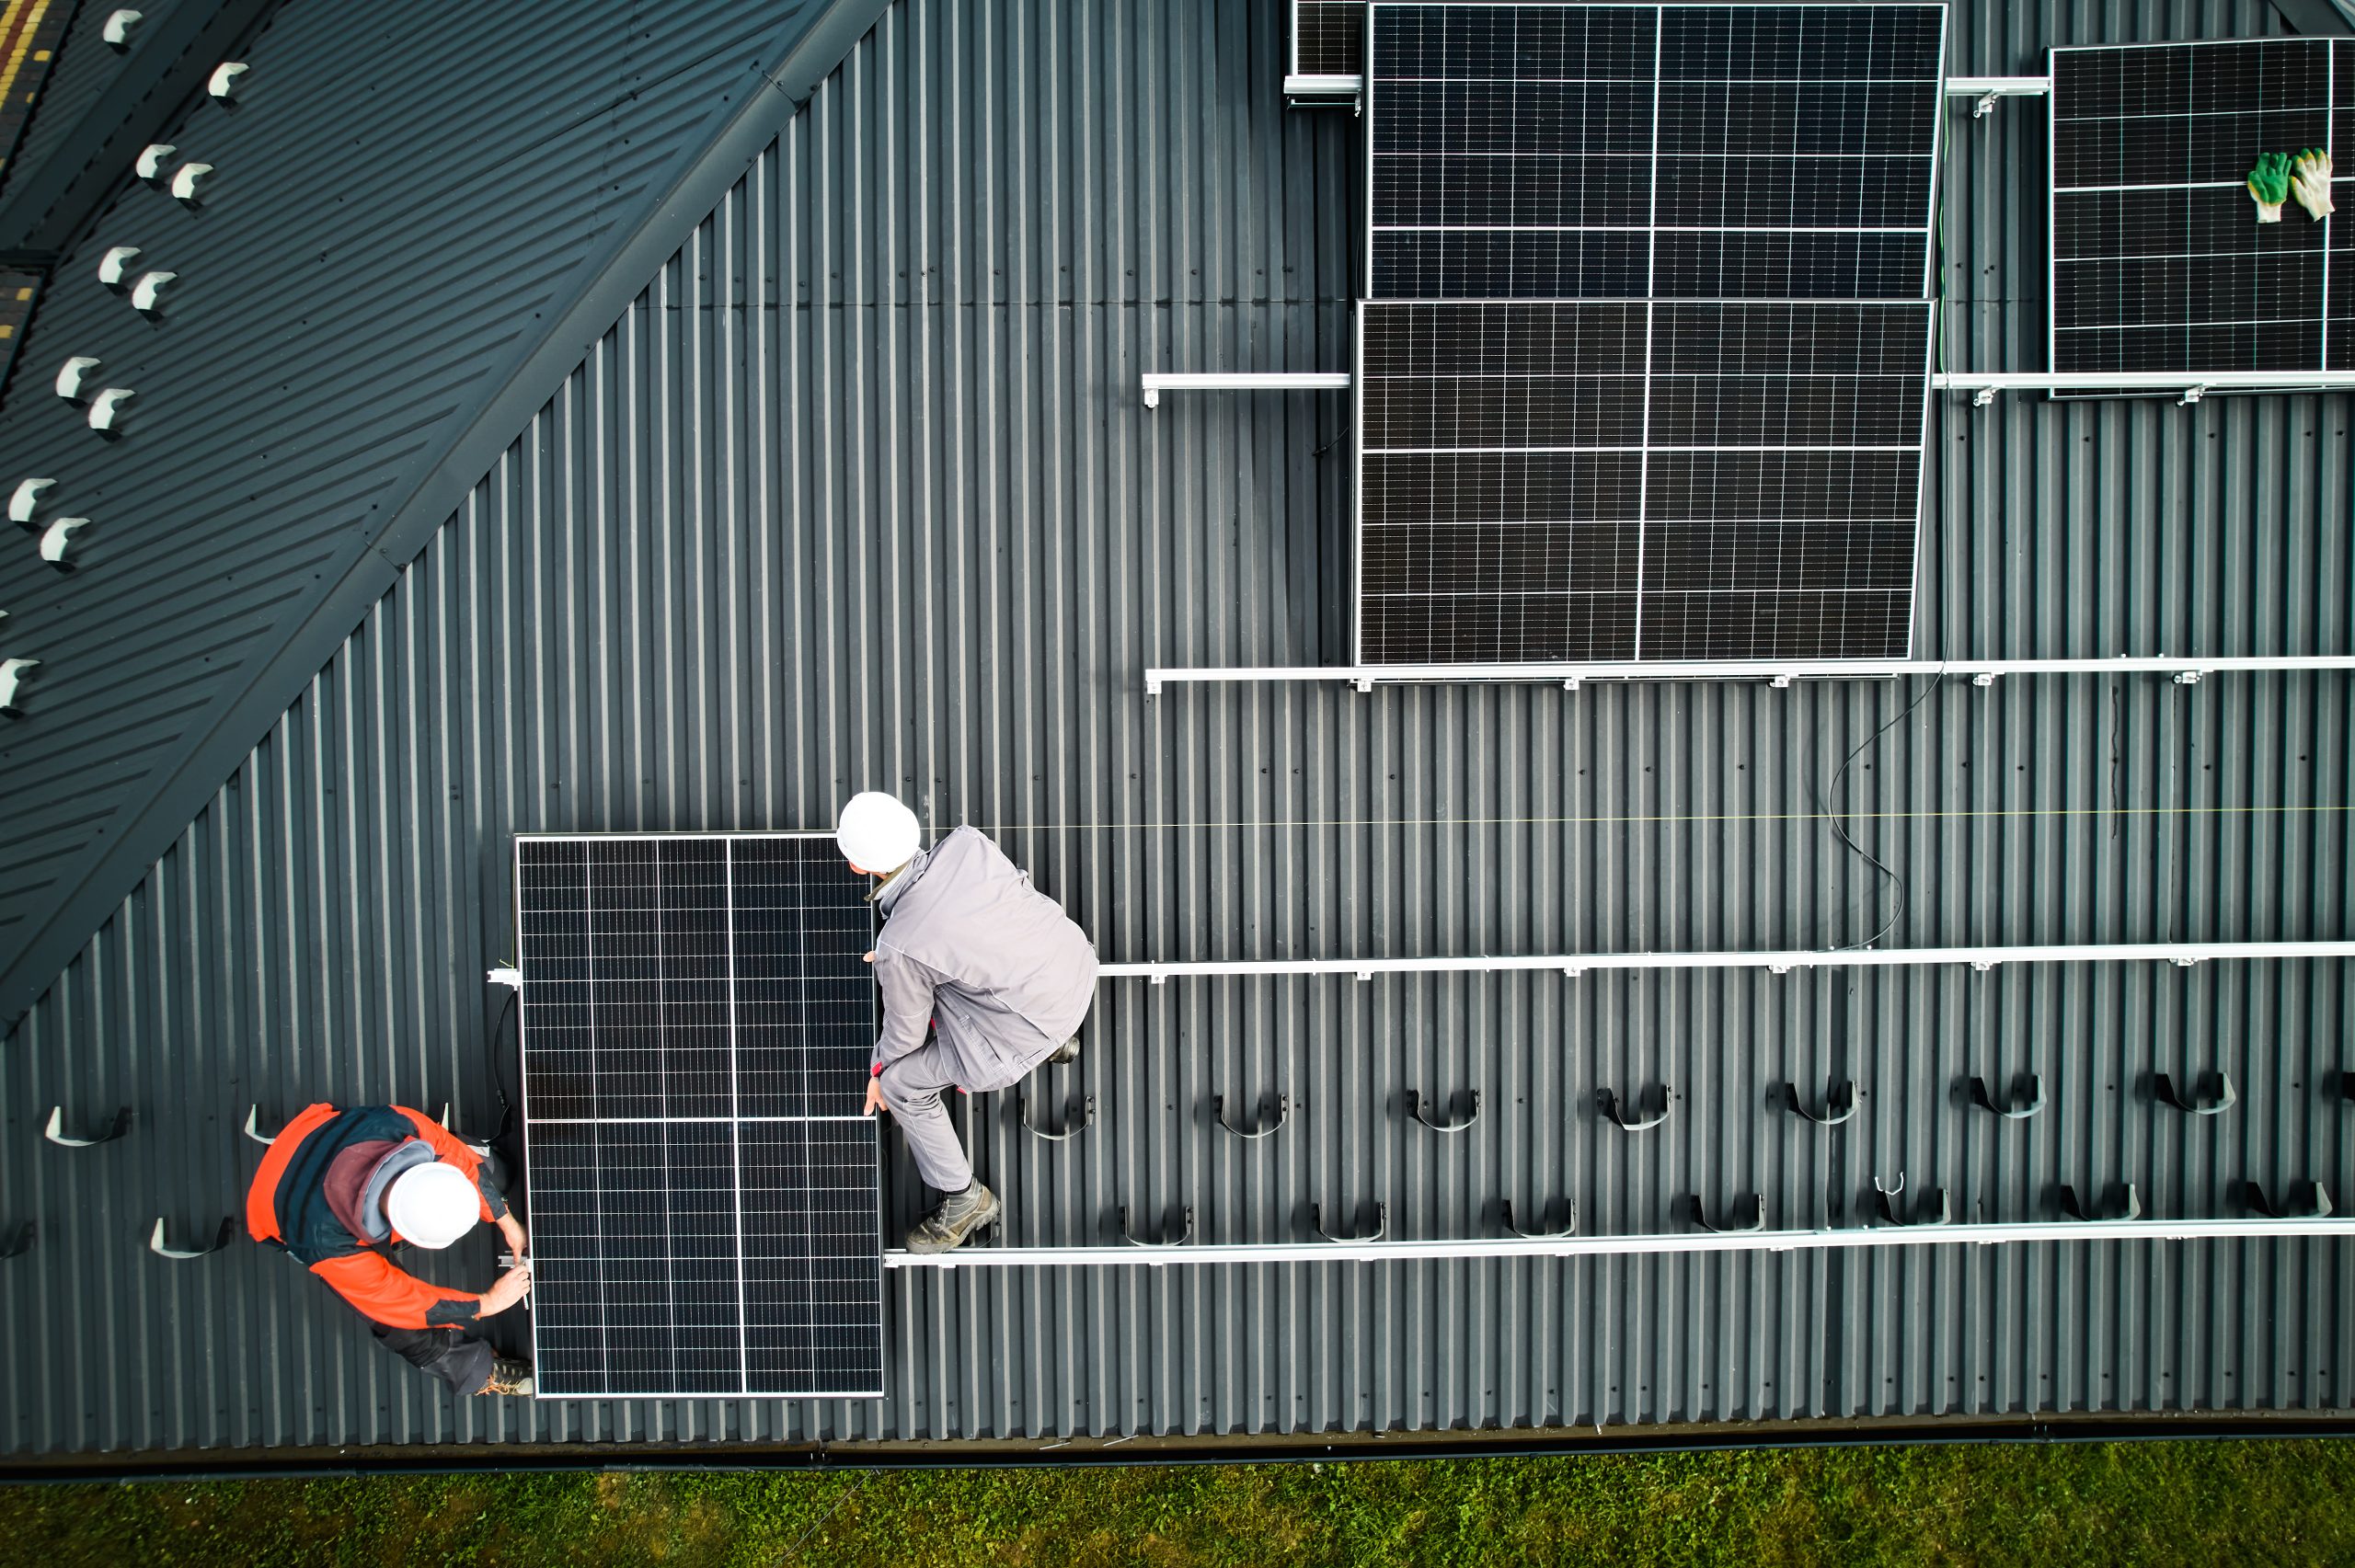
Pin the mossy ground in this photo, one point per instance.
(2203, 1502)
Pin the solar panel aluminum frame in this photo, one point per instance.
(736, 1123)
(2292, 380)
(1474, 671)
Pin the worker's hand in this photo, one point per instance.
(874, 1097)
(519, 1241)
(870, 958)
(510, 1288)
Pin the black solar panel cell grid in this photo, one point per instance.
(1715, 264)
(1751, 626)
(1799, 119)
(1848, 338)
(2227, 77)
(1509, 264)
(1491, 43)
(1799, 43)
(634, 1258)
(1328, 37)
(674, 986)
(1401, 488)
(2175, 273)
(1468, 556)
(2174, 221)
(812, 1252)
(805, 1004)
(1439, 118)
(1515, 189)
(2180, 149)
(1506, 337)
(2181, 291)
(1742, 190)
(1444, 628)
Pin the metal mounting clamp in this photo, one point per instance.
(1839, 1101)
(253, 1113)
(1185, 1234)
(2076, 1210)
(157, 1245)
(1757, 1220)
(1381, 1223)
(55, 1132)
(2315, 1207)
(1079, 1114)
(1461, 1097)
(2019, 1111)
(2164, 1086)
(1609, 1102)
(1264, 1128)
(14, 1241)
(1885, 1199)
(1569, 1227)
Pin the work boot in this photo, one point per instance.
(960, 1214)
(508, 1378)
(1066, 1054)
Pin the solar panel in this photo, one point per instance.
(1327, 36)
(704, 1196)
(1643, 372)
(2158, 261)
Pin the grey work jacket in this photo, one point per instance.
(969, 946)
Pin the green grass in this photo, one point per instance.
(2048, 1505)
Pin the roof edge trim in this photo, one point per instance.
(603, 290)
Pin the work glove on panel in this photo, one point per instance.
(2269, 184)
(2310, 181)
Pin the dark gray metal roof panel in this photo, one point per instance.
(301, 404)
(859, 493)
(86, 66)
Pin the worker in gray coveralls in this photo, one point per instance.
(983, 977)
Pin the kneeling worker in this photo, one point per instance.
(341, 1188)
(996, 969)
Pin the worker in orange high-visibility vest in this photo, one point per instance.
(342, 1189)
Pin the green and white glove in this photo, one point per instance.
(2269, 184)
(2310, 181)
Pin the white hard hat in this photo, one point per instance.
(876, 833)
(432, 1205)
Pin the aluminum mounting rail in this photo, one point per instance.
(2181, 954)
(2192, 384)
(1158, 382)
(2187, 670)
(1987, 89)
(1300, 84)
(1917, 1235)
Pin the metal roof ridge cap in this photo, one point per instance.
(604, 286)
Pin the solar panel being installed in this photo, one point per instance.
(1714, 453)
(704, 1204)
(2158, 260)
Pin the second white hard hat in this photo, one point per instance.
(876, 832)
(432, 1205)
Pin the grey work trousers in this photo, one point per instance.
(912, 1086)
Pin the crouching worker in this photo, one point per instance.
(341, 1188)
(992, 966)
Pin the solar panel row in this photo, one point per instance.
(2158, 261)
(1621, 397)
(704, 1204)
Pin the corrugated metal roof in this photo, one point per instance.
(86, 66)
(860, 494)
(402, 215)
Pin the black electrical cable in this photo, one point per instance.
(1823, 805)
(497, 1061)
